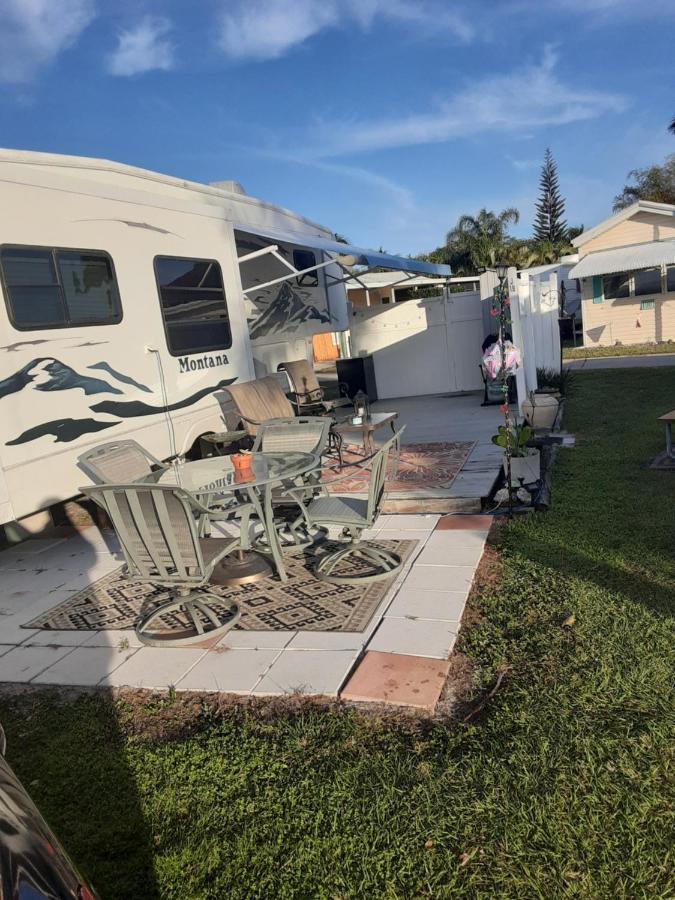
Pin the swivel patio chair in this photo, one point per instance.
(119, 461)
(126, 461)
(159, 538)
(306, 394)
(304, 434)
(354, 514)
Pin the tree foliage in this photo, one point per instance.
(656, 183)
(549, 225)
(477, 242)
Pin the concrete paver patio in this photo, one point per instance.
(419, 619)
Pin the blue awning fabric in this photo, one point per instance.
(348, 254)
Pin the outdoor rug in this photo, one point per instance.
(303, 603)
(421, 467)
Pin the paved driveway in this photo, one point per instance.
(622, 362)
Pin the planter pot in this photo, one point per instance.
(541, 410)
(525, 469)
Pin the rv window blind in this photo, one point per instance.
(51, 287)
(194, 308)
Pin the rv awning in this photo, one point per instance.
(347, 256)
(625, 259)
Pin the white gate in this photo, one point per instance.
(430, 346)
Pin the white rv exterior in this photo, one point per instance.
(88, 351)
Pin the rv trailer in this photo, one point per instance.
(130, 299)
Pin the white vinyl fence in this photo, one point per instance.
(429, 346)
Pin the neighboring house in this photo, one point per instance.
(627, 273)
(378, 288)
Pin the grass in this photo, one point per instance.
(618, 350)
(564, 787)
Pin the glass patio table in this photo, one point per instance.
(214, 478)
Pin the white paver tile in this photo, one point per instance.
(446, 606)
(257, 640)
(328, 640)
(457, 538)
(411, 522)
(415, 637)
(23, 663)
(55, 638)
(156, 668)
(449, 555)
(235, 671)
(83, 666)
(307, 672)
(115, 638)
(439, 578)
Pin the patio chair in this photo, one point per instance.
(259, 401)
(354, 514)
(157, 529)
(305, 434)
(307, 395)
(119, 461)
(126, 461)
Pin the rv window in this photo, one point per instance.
(55, 288)
(305, 259)
(193, 303)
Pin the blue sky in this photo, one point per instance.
(382, 119)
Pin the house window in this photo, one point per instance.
(615, 287)
(305, 259)
(48, 287)
(647, 281)
(670, 278)
(647, 304)
(193, 305)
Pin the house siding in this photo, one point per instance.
(622, 321)
(639, 229)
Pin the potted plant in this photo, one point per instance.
(525, 462)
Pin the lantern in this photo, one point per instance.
(361, 406)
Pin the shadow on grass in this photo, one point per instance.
(71, 756)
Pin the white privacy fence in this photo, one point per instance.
(429, 346)
(433, 345)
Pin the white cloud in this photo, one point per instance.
(34, 32)
(143, 48)
(267, 29)
(527, 99)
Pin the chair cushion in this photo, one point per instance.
(339, 510)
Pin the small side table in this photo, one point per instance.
(370, 424)
(215, 444)
(668, 420)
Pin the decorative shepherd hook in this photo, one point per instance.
(501, 304)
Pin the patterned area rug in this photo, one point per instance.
(420, 467)
(303, 603)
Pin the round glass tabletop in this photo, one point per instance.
(217, 474)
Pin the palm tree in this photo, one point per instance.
(476, 242)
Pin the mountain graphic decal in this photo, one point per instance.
(287, 309)
(49, 374)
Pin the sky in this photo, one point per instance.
(384, 120)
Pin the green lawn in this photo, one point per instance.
(620, 350)
(564, 787)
